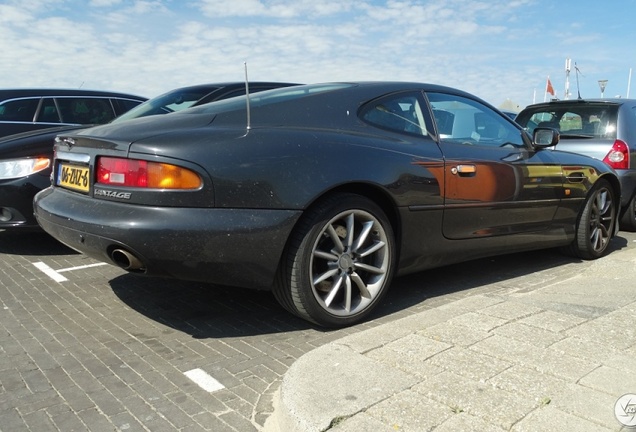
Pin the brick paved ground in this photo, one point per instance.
(104, 350)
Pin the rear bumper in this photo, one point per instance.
(239, 247)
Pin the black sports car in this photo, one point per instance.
(322, 193)
(25, 158)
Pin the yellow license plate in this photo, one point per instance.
(73, 177)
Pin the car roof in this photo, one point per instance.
(386, 87)
(360, 90)
(319, 104)
(227, 84)
(40, 92)
(570, 102)
(390, 86)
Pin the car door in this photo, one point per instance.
(494, 183)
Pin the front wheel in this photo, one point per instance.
(339, 262)
(595, 225)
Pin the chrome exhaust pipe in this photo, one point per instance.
(126, 260)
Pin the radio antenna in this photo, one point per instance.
(578, 72)
(247, 96)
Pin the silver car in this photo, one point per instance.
(602, 128)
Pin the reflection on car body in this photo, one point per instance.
(332, 190)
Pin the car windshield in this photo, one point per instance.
(579, 120)
(265, 98)
(172, 101)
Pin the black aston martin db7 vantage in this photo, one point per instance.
(323, 193)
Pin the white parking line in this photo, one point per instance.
(49, 272)
(55, 274)
(204, 380)
(82, 267)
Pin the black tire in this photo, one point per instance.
(339, 262)
(595, 225)
(628, 221)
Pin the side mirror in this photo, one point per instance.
(545, 137)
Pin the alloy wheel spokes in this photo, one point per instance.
(334, 289)
(599, 237)
(350, 230)
(376, 246)
(324, 276)
(333, 235)
(364, 292)
(602, 202)
(367, 226)
(348, 295)
(369, 268)
(350, 262)
(601, 220)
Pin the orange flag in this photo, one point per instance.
(549, 88)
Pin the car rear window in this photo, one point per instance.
(265, 98)
(575, 120)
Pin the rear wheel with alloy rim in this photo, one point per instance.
(339, 262)
(595, 226)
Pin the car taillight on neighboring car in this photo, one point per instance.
(618, 156)
(145, 174)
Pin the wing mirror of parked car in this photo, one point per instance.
(545, 137)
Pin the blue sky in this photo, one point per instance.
(500, 50)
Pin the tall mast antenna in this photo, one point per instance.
(568, 66)
(247, 96)
(578, 71)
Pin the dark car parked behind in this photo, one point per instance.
(25, 158)
(23, 110)
(601, 128)
(186, 97)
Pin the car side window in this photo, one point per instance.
(466, 121)
(19, 110)
(398, 113)
(48, 112)
(86, 110)
(123, 105)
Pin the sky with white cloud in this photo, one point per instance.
(499, 50)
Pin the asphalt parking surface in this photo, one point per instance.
(86, 346)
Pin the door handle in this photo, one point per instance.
(464, 169)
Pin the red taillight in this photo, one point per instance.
(144, 174)
(618, 156)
